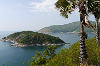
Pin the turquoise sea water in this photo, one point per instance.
(16, 56)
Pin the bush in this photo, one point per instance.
(42, 58)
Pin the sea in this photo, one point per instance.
(21, 56)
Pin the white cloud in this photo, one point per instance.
(44, 6)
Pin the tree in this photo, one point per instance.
(95, 10)
(67, 6)
(42, 57)
(97, 30)
(96, 13)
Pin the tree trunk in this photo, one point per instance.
(83, 36)
(83, 54)
(97, 31)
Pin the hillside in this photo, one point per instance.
(71, 27)
(29, 37)
(70, 56)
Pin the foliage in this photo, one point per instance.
(29, 37)
(70, 56)
(94, 8)
(66, 6)
(42, 57)
(71, 27)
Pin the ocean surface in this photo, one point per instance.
(17, 56)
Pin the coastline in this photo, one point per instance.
(16, 44)
(29, 45)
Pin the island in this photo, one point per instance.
(30, 38)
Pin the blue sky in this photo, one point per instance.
(19, 15)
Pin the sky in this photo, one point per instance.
(32, 15)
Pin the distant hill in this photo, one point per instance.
(71, 27)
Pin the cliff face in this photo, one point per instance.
(29, 37)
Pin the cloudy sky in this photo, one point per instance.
(18, 15)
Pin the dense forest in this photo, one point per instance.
(29, 37)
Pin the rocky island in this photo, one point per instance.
(29, 38)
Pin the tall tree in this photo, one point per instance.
(95, 9)
(67, 6)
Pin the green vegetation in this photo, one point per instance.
(42, 58)
(70, 56)
(29, 37)
(71, 27)
(66, 7)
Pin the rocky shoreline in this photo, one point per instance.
(25, 45)
(14, 43)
